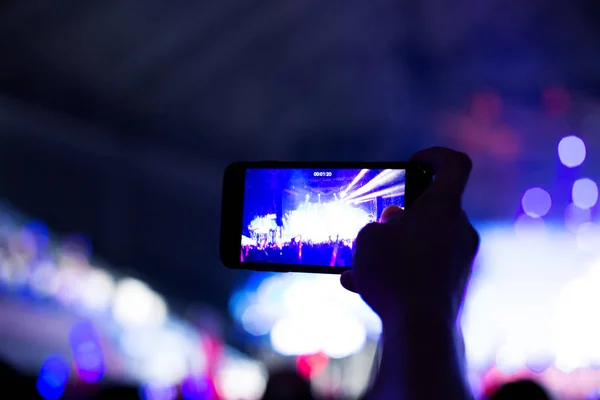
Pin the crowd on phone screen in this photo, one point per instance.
(334, 252)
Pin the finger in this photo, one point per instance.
(472, 238)
(347, 281)
(372, 242)
(390, 213)
(451, 170)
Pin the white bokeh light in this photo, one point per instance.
(530, 228)
(587, 237)
(575, 217)
(295, 336)
(306, 314)
(97, 289)
(531, 321)
(577, 324)
(135, 304)
(510, 359)
(163, 356)
(45, 279)
(254, 322)
(334, 334)
(536, 202)
(571, 151)
(585, 193)
(241, 379)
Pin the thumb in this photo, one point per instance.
(347, 281)
(390, 213)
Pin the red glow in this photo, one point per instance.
(311, 365)
(557, 101)
(213, 350)
(486, 106)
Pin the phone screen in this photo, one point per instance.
(312, 217)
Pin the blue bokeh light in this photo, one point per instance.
(53, 377)
(40, 232)
(571, 151)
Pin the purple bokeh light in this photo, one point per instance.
(196, 388)
(536, 202)
(571, 151)
(87, 353)
(585, 193)
(158, 392)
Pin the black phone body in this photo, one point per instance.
(304, 217)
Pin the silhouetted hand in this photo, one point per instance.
(417, 262)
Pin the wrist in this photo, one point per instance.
(421, 358)
(404, 320)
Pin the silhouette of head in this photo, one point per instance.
(287, 384)
(118, 392)
(523, 389)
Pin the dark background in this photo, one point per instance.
(117, 117)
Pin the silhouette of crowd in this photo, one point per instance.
(331, 253)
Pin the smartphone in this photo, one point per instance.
(304, 217)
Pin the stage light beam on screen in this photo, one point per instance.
(385, 177)
(571, 151)
(397, 190)
(356, 179)
(391, 196)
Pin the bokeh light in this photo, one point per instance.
(306, 314)
(510, 359)
(197, 388)
(158, 392)
(536, 202)
(576, 216)
(135, 304)
(311, 365)
(87, 353)
(587, 237)
(530, 228)
(337, 336)
(572, 151)
(53, 377)
(241, 379)
(44, 279)
(585, 193)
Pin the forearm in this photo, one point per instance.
(421, 361)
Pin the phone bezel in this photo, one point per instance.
(418, 178)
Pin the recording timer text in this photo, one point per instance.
(322, 173)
